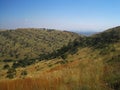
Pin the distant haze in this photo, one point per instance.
(86, 33)
(81, 15)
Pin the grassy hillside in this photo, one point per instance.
(88, 63)
(30, 43)
(108, 43)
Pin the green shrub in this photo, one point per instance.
(11, 73)
(6, 66)
(24, 73)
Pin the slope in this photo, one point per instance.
(94, 66)
(30, 43)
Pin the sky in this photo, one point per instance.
(76, 15)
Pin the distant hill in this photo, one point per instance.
(30, 43)
(84, 33)
(102, 39)
(87, 33)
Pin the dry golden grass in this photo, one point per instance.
(77, 75)
(84, 71)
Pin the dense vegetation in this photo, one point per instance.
(71, 48)
(31, 43)
(101, 40)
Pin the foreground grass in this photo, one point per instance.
(79, 74)
(86, 70)
(74, 76)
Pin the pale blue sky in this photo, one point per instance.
(82, 15)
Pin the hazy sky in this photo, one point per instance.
(81, 15)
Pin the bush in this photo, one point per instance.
(64, 56)
(62, 62)
(7, 60)
(10, 76)
(6, 66)
(11, 73)
(24, 73)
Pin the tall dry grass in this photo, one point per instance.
(77, 75)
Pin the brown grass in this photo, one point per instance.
(83, 73)
(77, 75)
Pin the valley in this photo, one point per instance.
(70, 62)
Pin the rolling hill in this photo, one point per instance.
(30, 43)
(85, 63)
